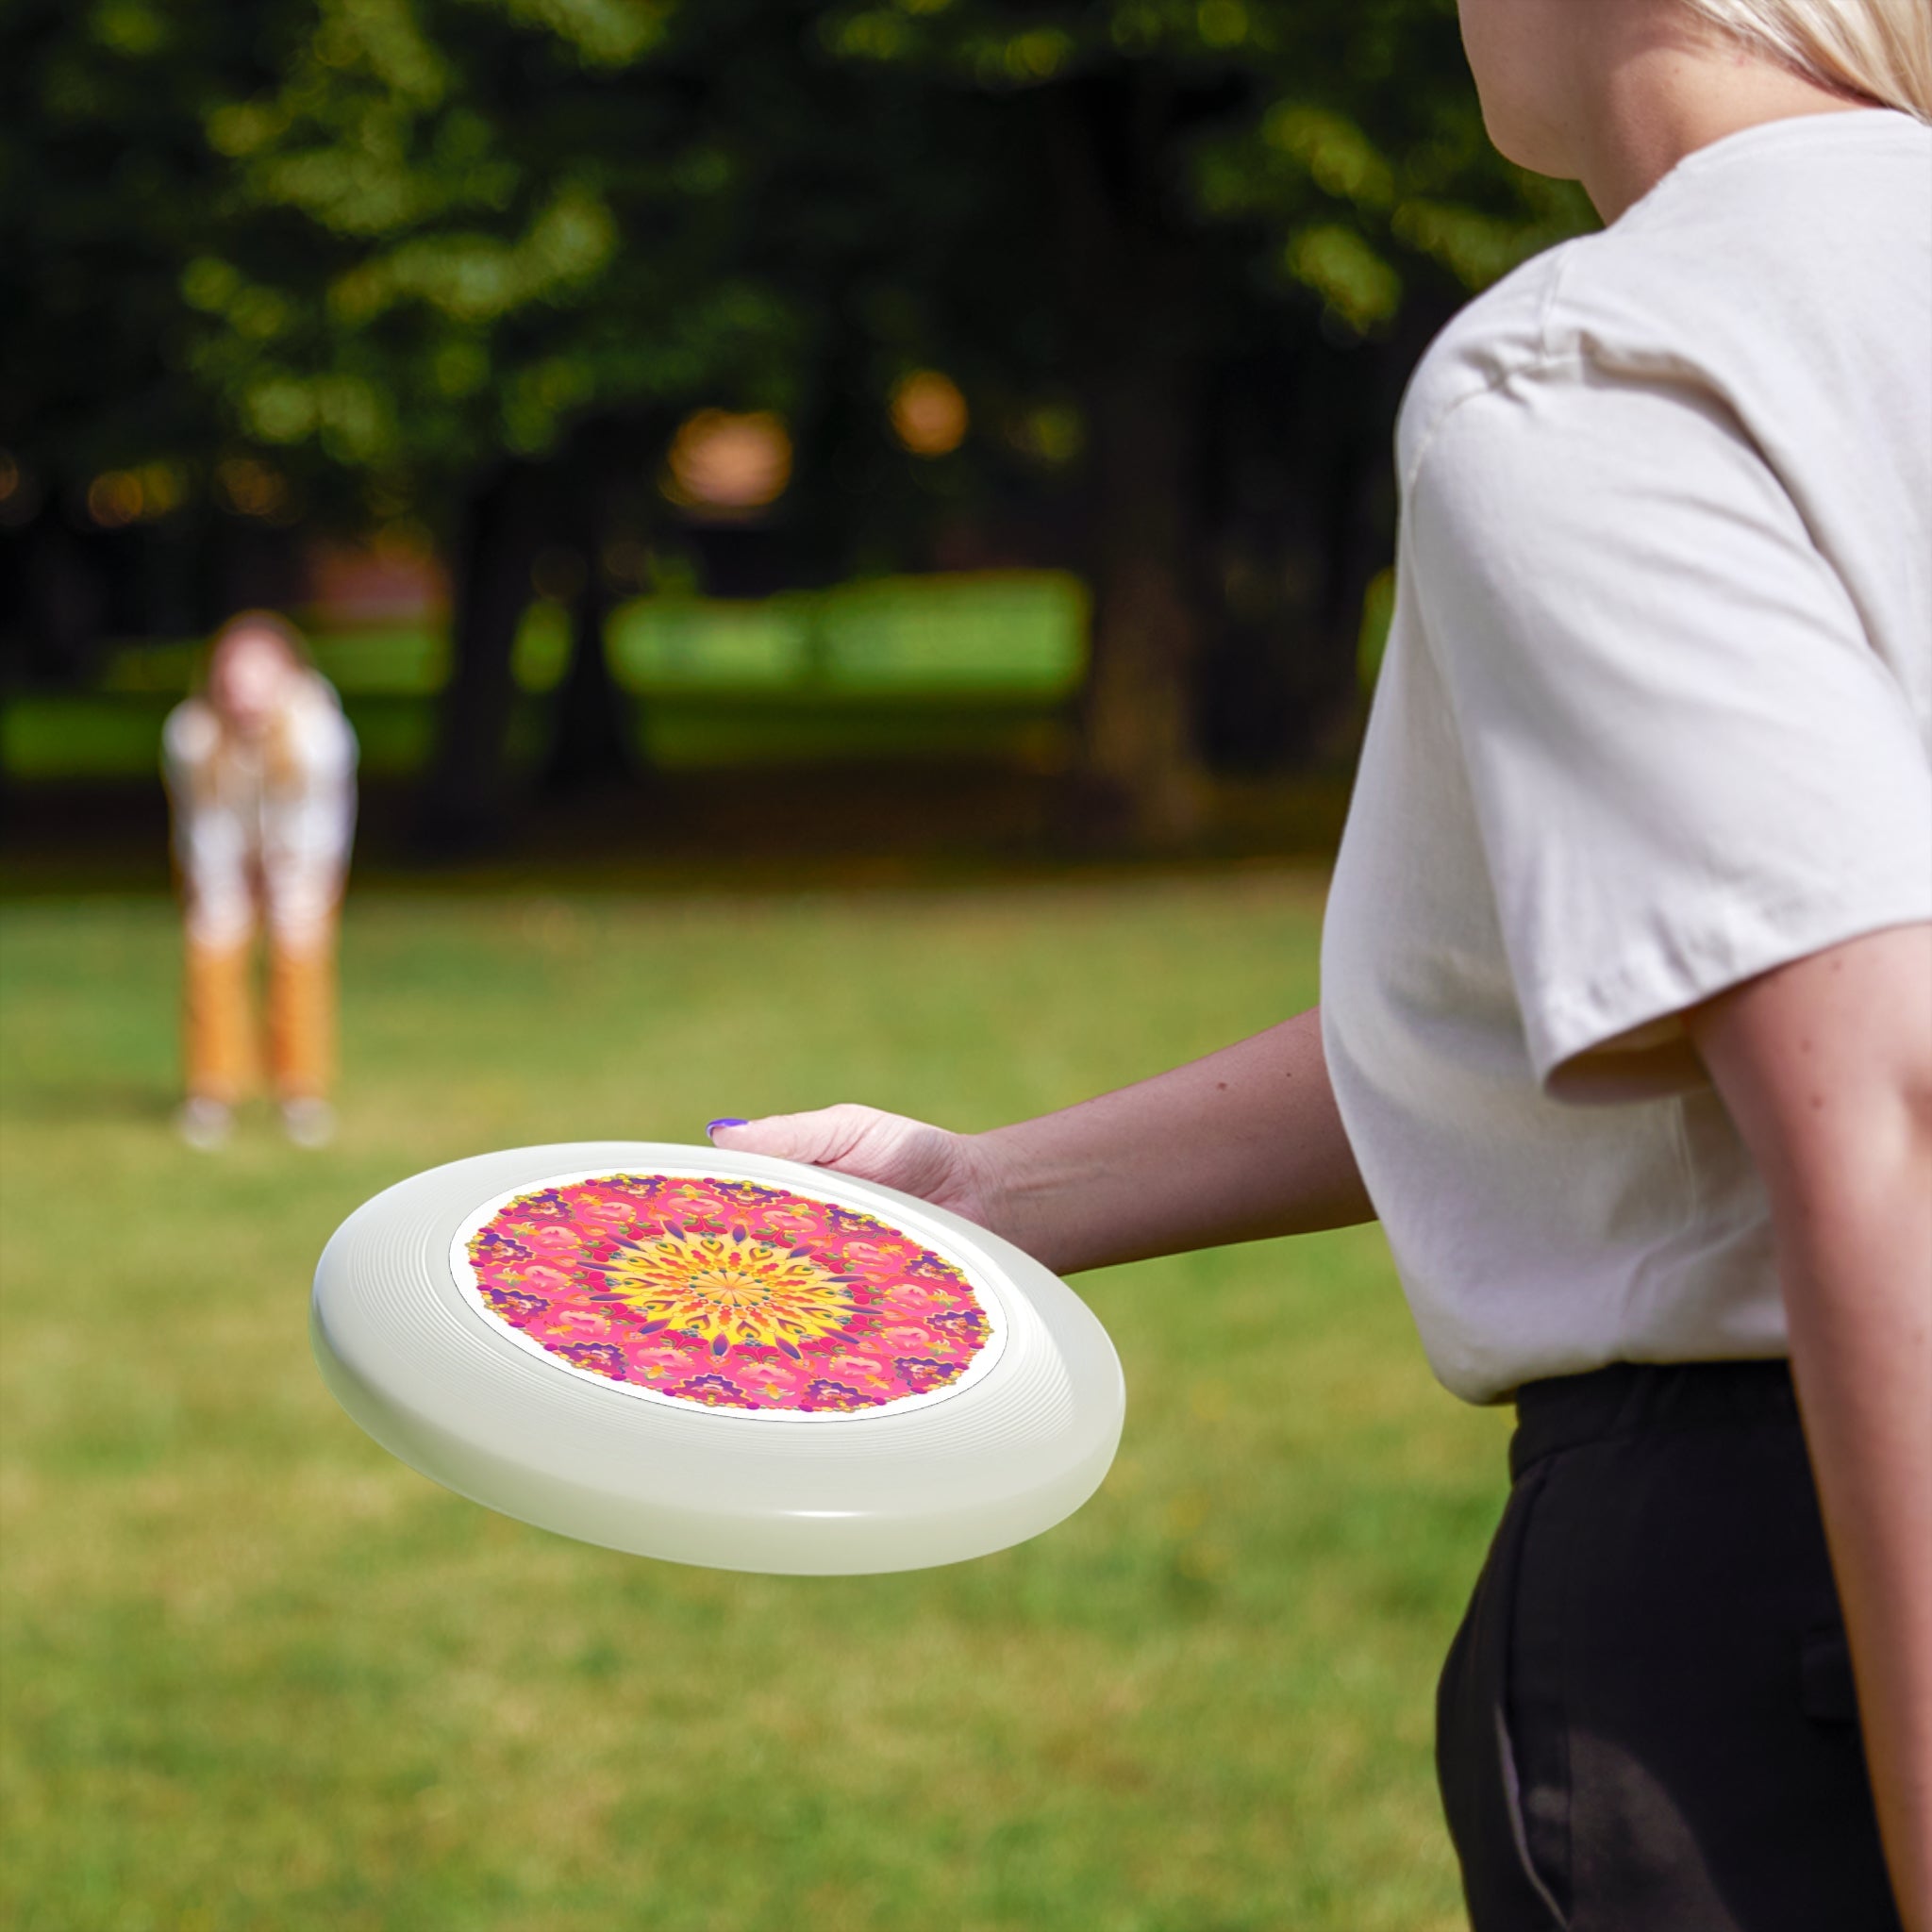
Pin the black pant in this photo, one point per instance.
(1646, 1721)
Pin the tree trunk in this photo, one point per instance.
(62, 602)
(1134, 306)
(591, 741)
(466, 804)
(1139, 727)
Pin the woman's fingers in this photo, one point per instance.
(818, 1138)
(884, 1147)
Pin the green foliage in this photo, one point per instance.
(257, 1673)
(905, 668)
(107, 189)
(1346, 133)
(500, 237)
(395, 239)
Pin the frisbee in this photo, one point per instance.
(717, 1359)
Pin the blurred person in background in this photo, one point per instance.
(1627, 1021)
(260, 768)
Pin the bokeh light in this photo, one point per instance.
(118, 497)
(726, 464)
(250, 488)
(114, 499)
(1050, 433)
(929, 415)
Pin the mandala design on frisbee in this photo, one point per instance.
(714, 1293)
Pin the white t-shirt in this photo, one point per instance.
(1655, 716)
(245, 831)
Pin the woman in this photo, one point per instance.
(260, 769)
(1628, 1022)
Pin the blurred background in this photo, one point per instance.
(855, 539)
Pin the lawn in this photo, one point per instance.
(258, 1674)
(908, 667)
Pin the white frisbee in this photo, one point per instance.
(717, 1359)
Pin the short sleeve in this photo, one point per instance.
(188, 742)
(1689, 764)
(323, 739)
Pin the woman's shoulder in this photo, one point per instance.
(1497, 335)
(1789, 253)
(315, 695)
(321, 735)
(191, 733)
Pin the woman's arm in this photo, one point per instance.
(1827, 1068)
(1244, 1145)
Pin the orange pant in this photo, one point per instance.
(222, 1045)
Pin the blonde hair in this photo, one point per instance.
(1879, 50)
(293, 645)
(282, 767)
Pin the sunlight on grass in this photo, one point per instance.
(258, 1674)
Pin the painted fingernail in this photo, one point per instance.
(713, 1128)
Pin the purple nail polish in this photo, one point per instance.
(714, 1125)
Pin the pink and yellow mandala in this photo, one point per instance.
(724, 1295)
(729, 1289)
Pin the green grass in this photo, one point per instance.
(258, 1674)
(112, 735)
(981, 665)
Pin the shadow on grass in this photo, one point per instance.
(769, 829)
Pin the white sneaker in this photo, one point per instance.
(308, 1122)
(204, 1123)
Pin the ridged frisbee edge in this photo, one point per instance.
(848, 1544)
(917, 1533)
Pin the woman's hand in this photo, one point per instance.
(949, 1170)
(1237, 1147)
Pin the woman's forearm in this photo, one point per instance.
(1827, 1068)
(1857, 1286)
(1241, 1145)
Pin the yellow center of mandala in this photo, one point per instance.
(729, 1289)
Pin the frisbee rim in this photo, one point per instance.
(450, 1392)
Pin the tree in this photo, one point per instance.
(109, 190)
(488, 236)
(1217, 202)
(470, 261)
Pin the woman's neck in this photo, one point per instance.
(1657, 96)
